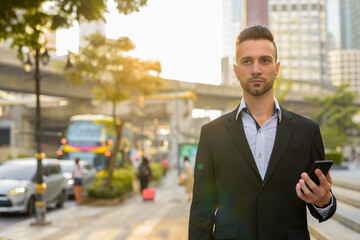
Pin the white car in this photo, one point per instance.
(67, 167)
(18, 180)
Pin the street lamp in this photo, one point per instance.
(40, 205)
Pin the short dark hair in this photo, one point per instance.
(256, 32)
(145, 160)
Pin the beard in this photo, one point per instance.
(257, 91)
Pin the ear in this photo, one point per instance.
(236, 71)
(277, 69)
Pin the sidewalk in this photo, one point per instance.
(164, 218)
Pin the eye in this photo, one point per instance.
(265, 61)
(246, 62)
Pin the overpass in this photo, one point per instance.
(171, 111)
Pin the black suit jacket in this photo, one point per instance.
(231, 201)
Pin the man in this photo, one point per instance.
(250, 172)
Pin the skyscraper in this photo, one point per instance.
(343, 24)
(344, 68)
(238, 14)
(299, 28)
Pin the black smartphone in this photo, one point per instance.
(323, 165)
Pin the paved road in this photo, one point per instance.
(9, 219)
(164, 218)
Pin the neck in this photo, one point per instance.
(260, 107)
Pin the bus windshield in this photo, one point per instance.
(85, 131)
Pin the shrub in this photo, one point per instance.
(121, 184)
(337, 157)
(157, 170)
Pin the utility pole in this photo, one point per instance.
(40, 188)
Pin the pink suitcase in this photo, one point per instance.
(148, 194)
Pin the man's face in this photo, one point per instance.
(256, 66)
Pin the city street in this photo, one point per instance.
(167, 216)
(9, 219)
(164, 218)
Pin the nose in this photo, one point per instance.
(256, 70)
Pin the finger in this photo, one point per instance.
(325, 181)
(300, 193)
(304, 187)
(309, 183)
(328, 177)
(321, 176)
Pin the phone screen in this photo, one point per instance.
(323, 165)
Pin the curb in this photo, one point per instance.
(347, 222)
(347, 185)
(316, 233)
(350, 201)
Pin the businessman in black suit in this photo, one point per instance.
(250, 172)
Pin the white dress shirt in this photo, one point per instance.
(261, 141)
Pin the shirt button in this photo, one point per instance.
(259, 131)
(259, 155)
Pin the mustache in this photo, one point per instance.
(256, 78)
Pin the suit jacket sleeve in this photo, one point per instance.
(204, 202)
(317, 153)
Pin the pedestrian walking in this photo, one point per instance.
(144, 173)
(251, 178)
(188, 174)
(165, 165)
(78, 174)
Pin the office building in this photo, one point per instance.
(299, 28)
(238, 14)
(343, 33)
(343, 24)
(344, 68)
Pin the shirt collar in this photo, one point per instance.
(277, 109)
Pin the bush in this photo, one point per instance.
(157, 170)
(121, 184)
(337, 157)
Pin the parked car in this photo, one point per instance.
(18, 180)
(67, 167)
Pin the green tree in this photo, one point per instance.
(334, 114)
(27, 22)
(118, 77)
(282, 88)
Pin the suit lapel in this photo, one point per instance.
(236, 131)
(283, 135)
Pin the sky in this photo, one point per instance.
(184, 35)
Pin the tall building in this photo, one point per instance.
(355, 22)
(344, 68)
(299, 28)
(238, 14)
(343, 23)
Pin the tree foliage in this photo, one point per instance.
(117, 75)
(26, 22)
(334, 114)
(282, 88)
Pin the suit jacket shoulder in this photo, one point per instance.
(297, 118)
(220, 121)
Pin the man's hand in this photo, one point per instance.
(309, 192)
